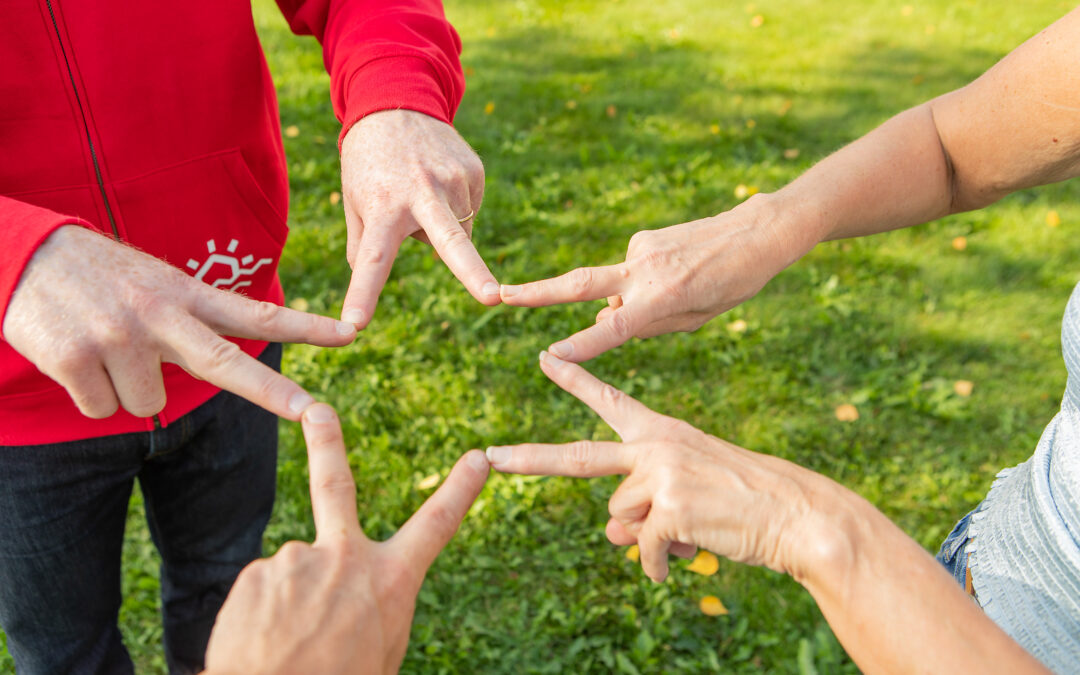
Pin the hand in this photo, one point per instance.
(405, 174)
(683, 486)
(674, 279)
(100, 318)
(343, 604)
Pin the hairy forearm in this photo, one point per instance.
(891, 605)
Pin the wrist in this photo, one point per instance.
(829, 540)
(788, 227)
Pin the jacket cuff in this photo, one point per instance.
(23, 228)
(405, 82)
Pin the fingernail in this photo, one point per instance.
(300, 401)
(345, 328)
(498, 454)
(563, 350)
(353, 316)
(510, 291)
(477, 460)
(491, 288)
(320, 414)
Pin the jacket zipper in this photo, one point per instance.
(90, 142)
(86, 127)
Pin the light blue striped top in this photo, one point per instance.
(1025, 540)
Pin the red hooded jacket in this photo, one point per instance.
(157, 123)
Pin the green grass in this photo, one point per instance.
(703, 101)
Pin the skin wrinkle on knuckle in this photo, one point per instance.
(619, 325)
(577, 456)
(220, 356)
(265, 313)
(580, 281)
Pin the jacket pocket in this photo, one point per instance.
(209, 217)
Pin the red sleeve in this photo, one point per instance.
(384, 55)
(23, 228)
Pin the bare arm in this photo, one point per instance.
(890, 604)
(1016, 126)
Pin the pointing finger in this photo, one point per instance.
(581, 459)
(434, 523)
(453, 245)
(626, 415)
(206, 355)
(239, 316)
(370, 269)
(615, 329)
(333, 489)
(582, 284)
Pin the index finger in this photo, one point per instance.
(626, 415)
(434, 523)
(333, 490)
(456, 249)
(238, 316)
(580, 285)
(581, 459)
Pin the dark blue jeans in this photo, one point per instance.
(208, 482)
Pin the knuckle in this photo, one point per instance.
(74, 356)
(577, 456)
(580, 281)
(442, 520)
(655, 259)
(369, 255)
(449, 173)
(94, 407)
(221, 355)
(611, 395)
(265, 313)
(291, 551)
(455, 238)
(112, 333)
(619, 325)
(336, 484)
(639, 240)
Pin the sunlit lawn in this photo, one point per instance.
(599, 119)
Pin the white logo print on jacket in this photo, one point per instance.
(231, 277)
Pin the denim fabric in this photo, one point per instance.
(208, 482)
(953, 552)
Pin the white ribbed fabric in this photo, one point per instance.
(1025, 540)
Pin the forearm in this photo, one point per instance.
(895, 176)
(892, 606)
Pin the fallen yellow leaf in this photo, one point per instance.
(490, 32)
(571, 104)
(489, 107)
(711, 606)
(906, 10)
(714, 129)
(750, 124)
(791, 153)
(299, 304)
(292, 131)
(963, 387)
(1052, 218)
(737, 326)
(335, 198)
(959, 243)
(428, 482)
(757, 21)
(704, 563)
(633, 554)
(612, 111)
(847, 412)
